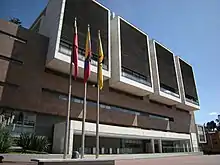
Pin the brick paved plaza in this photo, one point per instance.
(184, 160)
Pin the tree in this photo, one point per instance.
(211, 126)
(218, 123)
(15, 21)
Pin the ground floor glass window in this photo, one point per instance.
(110, 145)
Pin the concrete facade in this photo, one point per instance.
(166, 96)
(116, 131)
(118, 80)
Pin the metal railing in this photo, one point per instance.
(169, 92)
(194, 101)
(128, 73)
(66, 48)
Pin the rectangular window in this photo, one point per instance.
(200, 128)
(64, 97)
(201, 138)
(159, 117)
(18, 121)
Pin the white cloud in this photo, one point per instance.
(213, 114)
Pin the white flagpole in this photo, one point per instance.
(83, 122)
(97, 124)
(97, 111)
(66, 142)
(68, 113)
(84, 108)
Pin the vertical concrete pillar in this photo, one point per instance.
(103, 150)
(160, 145)
(191, 146)
(71, 135)
(110, 150)
(187, 146)
(184, 147)
(118, 150)
(176, 147)
(152, 146)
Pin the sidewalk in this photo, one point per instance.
(19, 163)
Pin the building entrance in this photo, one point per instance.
(110, 145)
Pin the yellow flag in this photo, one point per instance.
(100, 59)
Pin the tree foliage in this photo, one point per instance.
(211, 126)
(15, 21)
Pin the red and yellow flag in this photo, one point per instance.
(100, 59)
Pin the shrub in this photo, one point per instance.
(40, 143)
(33, 142)
(24, 141)
(5, 140)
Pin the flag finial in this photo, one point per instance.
(75, 20)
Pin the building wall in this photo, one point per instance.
(24, 62)
(27, 86)
(51, 24)
(45, 124)
(213, 143)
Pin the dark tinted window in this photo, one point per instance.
(87, 12)
(134, 50)
(166, 69)
(188, 81)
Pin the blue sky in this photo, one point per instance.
(191, 29)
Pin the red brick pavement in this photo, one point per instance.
(184, 160)
(19, 163)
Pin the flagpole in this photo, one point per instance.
(83, 122)
(97, 123)
(66, 141)
(97, 111)
(87, 54)
(68, 114)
